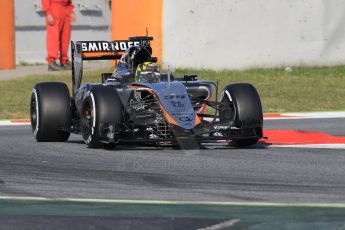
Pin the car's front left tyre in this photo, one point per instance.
(241, 105)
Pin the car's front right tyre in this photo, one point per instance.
(100, 108)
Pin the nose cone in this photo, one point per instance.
(177, 105)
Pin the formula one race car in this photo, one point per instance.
(139, 104)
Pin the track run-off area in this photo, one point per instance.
(294, 177)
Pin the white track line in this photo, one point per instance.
(319, 114)
(222, 225)
(11, 123)
(314, 115)
(310, 146)
(168, 202)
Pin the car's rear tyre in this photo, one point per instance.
(243, 107)
(101, 108)
(50, 112)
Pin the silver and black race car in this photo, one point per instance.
(139, 104)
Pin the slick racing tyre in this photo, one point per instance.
(242, 106)
(50, 112)
(100, 111)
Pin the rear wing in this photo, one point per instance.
(99, 50)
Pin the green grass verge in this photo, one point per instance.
(301, 90)
(16, 93)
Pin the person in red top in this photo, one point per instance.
(59, 16)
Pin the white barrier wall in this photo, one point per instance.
(237, 34)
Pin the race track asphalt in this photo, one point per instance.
(220, 173)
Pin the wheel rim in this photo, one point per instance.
(87, 121)
(228, 113)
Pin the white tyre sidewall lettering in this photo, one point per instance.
(93, 113)
(89, 139)
(37, 112)
(228, 94)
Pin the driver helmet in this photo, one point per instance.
(148, 72)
